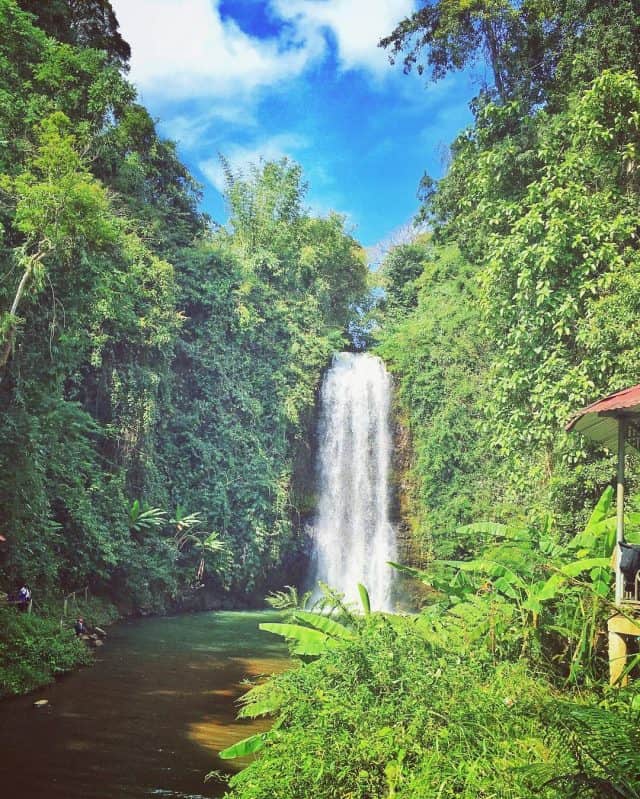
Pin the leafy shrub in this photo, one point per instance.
(33, 650)
(388, 713)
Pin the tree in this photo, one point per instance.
(84, 23)
(453, 35)
(400, 270)
(538, 51)
(57, 205)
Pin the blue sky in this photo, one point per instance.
(302, 78)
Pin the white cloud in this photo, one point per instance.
(239, 157)
(184, 48)
(192, 128)
(357, 25)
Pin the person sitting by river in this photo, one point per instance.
(24, 598)
(80, 627)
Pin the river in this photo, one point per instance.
(147, 719)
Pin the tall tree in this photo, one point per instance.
(537, 50)
(85, 23)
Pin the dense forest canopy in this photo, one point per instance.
(121, 300)
(540, 199)
(159, 374)
(155, 368)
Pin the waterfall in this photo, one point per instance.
(353, 537)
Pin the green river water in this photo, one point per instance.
(147, 719)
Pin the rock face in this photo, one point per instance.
(413, 544)
(402, 491)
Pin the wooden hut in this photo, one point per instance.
(614, 422)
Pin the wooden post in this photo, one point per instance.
(621, 628)
(617, 659)
(622, 431)
(617, 638)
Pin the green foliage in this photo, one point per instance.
(324, 623)
(400, 272)
(546, 206)
(541, 200)
(470, 698)
(34, 650)
(146, 361)
(288, 599)
(248, 746)
(438, 360)
(143, 518)
(316, 636)
(605, 746)
(387, 713)
(364, 599)
(537, 50)
(91, 23)
(266, 303)
(552, 277)
(531, 594)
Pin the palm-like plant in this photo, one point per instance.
(143, 518)
(606, 750)
(184, 523)
(288, 599)
(541, 591)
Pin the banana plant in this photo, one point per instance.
(313, 635)
(555, 590)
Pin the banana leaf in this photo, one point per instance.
(324, 624)
(364, 598)
(247, 746)
(309, 642)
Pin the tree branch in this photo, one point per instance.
(10, 335)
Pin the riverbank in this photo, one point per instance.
(37, 647)
(148, 718)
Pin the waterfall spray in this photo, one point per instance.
(353, 535)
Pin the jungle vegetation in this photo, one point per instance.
(520, 307)
(158, 374)
(516, 309)
(157, 371)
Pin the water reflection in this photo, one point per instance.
(148, 719)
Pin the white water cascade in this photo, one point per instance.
(353, 535)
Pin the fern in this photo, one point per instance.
(606, 746)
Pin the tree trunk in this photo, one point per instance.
(494, 57)
(11, 332)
